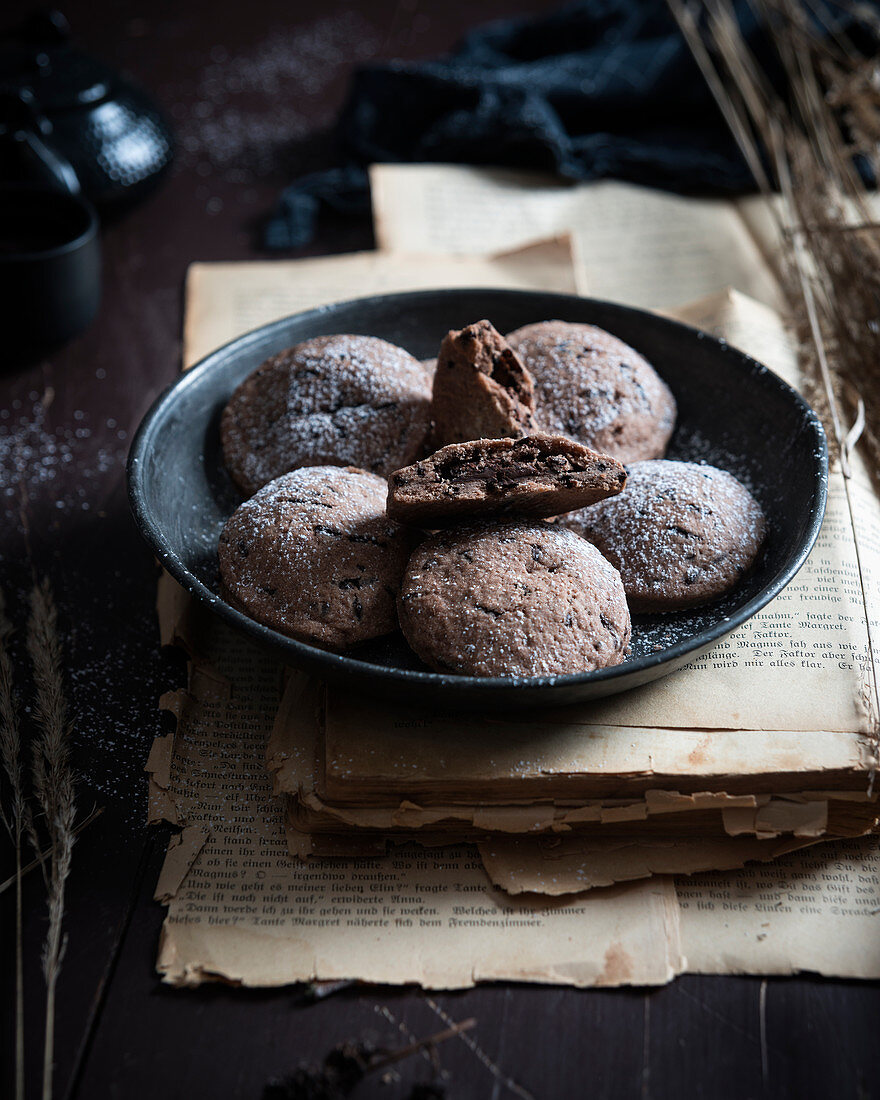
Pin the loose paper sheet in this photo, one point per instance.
(818, 909)
(407, 752)
(634, 245)
(247, 912)
(224, 300)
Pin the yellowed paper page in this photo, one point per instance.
(242, 909)
(560, 865)
(814, 910)
(224, 300)
(374, 751)
(634, 245)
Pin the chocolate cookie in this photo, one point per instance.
(338, 400)
(538, 476)
(596, 389)
(513, 599)
(313, 555)
(481, 389)
(680, 533)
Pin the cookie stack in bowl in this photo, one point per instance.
(507, 539)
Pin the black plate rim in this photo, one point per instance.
(337, 664)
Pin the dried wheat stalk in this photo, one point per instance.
(831, 252)
(14, 821)
(32, 864)
(53, 784)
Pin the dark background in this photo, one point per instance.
(251, 89)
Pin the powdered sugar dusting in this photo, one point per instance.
(226, 124)
(313, 555)
(345, 400)
(680, 533)
(596, 389)
(33, 455)
(513, 599)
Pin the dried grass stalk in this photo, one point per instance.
(52, 788)
(14, 821)
(91, 816)
(805, 148)
(53, 783)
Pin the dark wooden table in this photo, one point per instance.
(252, 89)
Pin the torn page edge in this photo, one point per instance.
(519, 867)
(179, 857)
(161, 805)
(309, 813)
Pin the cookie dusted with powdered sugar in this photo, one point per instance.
(680, 533)
(596, 389)
(314, 556)
(513, 599)
(337, 400)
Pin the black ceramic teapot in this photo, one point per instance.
(70, 121)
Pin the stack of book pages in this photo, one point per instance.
(556, 801)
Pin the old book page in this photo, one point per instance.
(224, 300)
(634, 245)
(242, 909)
(505, 759)
(814, 910)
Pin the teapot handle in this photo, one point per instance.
(22, 123)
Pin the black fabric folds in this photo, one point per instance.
(601, 88)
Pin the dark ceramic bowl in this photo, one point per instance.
(733, 413)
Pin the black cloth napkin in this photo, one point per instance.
(601, 88)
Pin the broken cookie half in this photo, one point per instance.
(481, 388)
(538, 476)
